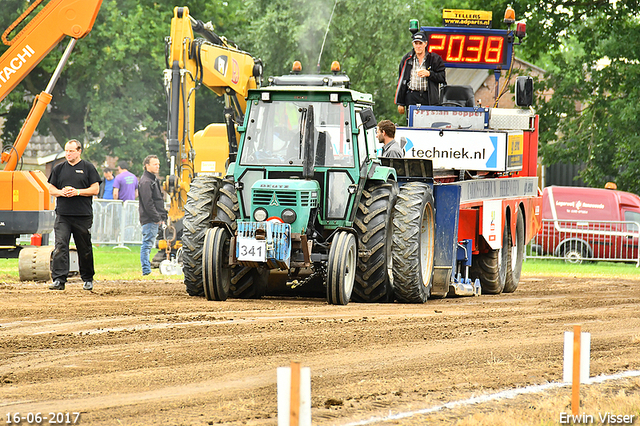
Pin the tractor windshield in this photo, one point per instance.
(274, 134)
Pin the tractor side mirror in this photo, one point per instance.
(368, 119)
(524, 91)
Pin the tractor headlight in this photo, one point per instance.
(288, 216)
(260, 215)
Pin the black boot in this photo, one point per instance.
(57, 285)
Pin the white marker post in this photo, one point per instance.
(294, 395)
(577, 347)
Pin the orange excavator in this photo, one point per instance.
(26, 207)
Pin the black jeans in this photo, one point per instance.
(414, 98)
(80, 227)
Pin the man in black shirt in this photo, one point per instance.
(73, 183)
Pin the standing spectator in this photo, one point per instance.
(125, 185)
(151, 209)
(420, 75)
(106, 187)
(73, 183)
(386, 133)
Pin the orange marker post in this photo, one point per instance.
(575, 387)
(294, 415)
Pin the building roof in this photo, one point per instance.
(42, 149)
(463, 76)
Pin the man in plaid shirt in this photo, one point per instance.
(420, 76)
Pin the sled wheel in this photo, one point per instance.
(491, 267)
(516, 257)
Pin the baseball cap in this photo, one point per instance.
(420, 36)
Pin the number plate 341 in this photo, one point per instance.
(252, 250)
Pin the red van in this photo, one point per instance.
(589, 223)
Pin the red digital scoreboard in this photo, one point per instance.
(471, 47)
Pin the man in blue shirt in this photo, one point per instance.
(106, 187)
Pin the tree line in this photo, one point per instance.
(111, 94)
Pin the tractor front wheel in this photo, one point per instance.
(244, 282)
(341, 268)
(216, 271)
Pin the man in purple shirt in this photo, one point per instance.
(125, 185)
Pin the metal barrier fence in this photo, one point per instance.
(576, 241)
(115, 222)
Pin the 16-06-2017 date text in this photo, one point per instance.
(51, 418)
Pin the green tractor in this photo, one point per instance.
(307, 196)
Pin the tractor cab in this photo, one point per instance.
(306, 143)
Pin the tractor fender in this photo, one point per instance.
(230, 169)
(222, 224)
(382, 173)
(345, 229)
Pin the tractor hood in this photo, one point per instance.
(290, 200)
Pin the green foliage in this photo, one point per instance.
(592, 116)
(111, 94)
(122, 98)
(367, 38)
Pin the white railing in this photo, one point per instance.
(115, 222)
(576, 241)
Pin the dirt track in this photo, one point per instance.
(143, 352)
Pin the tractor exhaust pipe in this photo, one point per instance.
(308, 147)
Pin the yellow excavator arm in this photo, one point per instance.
(210, 61)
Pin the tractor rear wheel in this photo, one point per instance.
(373, 229)
(516, 257)
(197, 217)
(413, 243)
(227, 209)
(491, 267)
(249, 283)
(341, 268)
